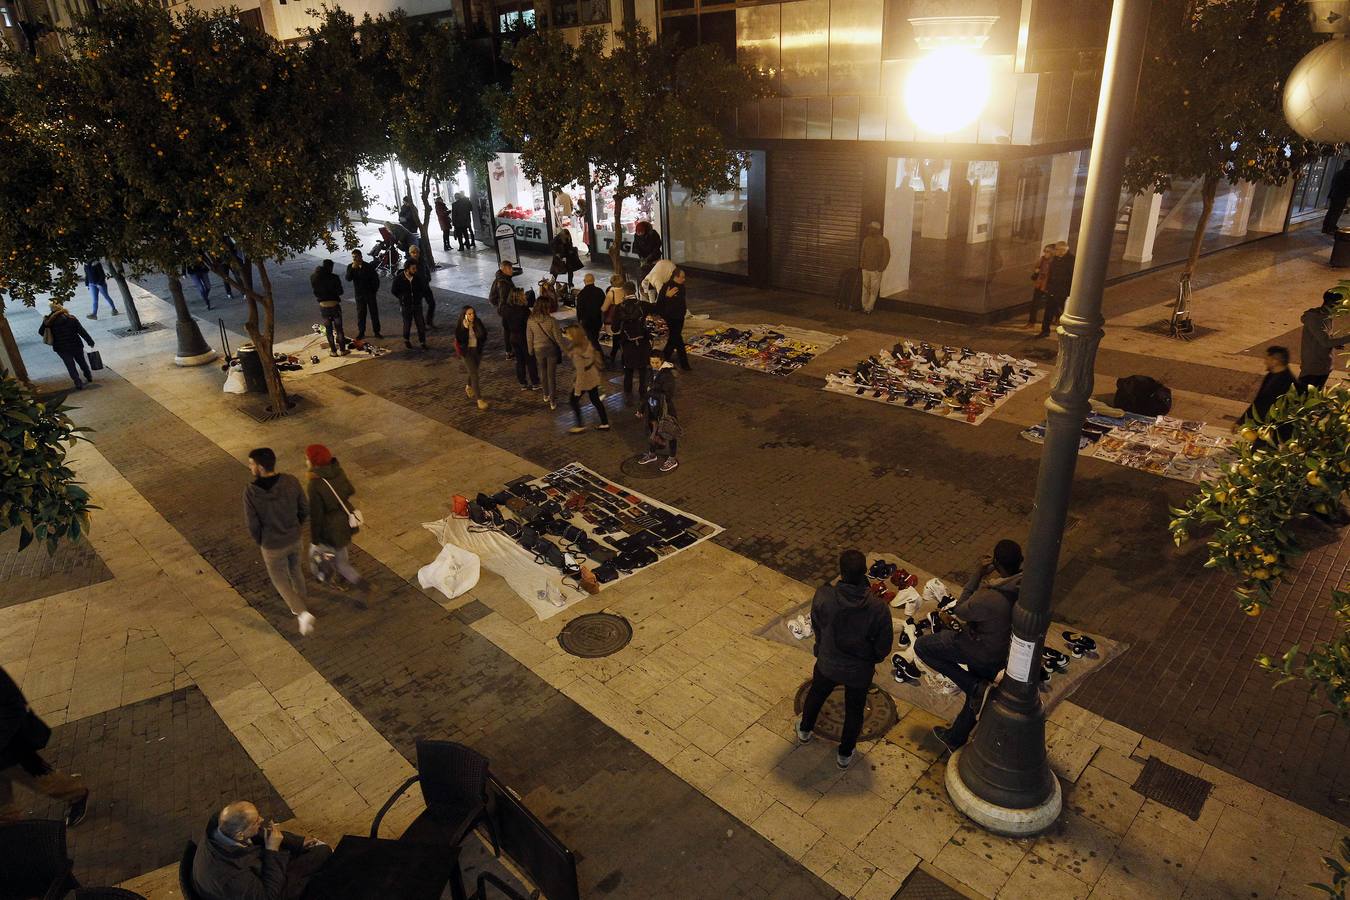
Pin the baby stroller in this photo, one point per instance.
(385, 253)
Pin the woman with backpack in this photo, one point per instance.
(663, 428)
(634, 340)
(470, 338)
(64, 333)
(588, 364)
(333, 520)
(544, 340)
(515, 313)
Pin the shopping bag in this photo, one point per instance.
(234, 381)
(95, 360)
(454, 571)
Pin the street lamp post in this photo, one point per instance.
(1002, 779)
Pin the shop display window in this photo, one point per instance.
(517, 201)
(712, 235)
(644, 207)
(569, 211)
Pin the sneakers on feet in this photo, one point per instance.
(803, 736)
(843, 761)
(604, 427)
(306, 622)
(482, 404)
(116, 313)
(76, 812)
(670, 464)
(647, 458)
(944, 734)
(576, 429)
(92, 316)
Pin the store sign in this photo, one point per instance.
(530, 232)
(506, 243)
(605, 238)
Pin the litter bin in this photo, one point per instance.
(251, 364)
(1340, 251)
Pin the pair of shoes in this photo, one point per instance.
(604, 427)
(576, 429)
(944, 734)
(647, 457)
(1080, 645)
(306, 623)
(116, 313)
(482, 404)
(670, 465)
(79, 385)
(843, 761)
(906, 672)
(75, 813)
(379, 336)
(803, 736)
(552, 405)
(525, 387)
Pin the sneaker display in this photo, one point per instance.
(306, 622)
(799, 627)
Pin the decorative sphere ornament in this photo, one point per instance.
(1317, 93)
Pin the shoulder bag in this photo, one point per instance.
(354, 517)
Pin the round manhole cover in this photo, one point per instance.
(596, 634)
(878, 716)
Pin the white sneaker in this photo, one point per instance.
(802, 736)
(799, 628)
(843, 761)
(306, 621)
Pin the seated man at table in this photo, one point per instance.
(245, 858)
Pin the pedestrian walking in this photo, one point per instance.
(566, 260)
(1315, 356)
(853, 632)
(405, 291)
(365, 279)
(422, 283)
(634, 340)
(646, 246)
(470, 339)
(22, 736)
(673, 307)
(65, 334)
(588, 363)
(1039, 276)
(874, 255)
(1277, 382)
(500, 294)
(97, 281)
(609, 313)
(333, 519)
(201, 276)
(515, 317)
(663, 424)
(1057, 283)
(1337, 197)
(275, 508)
(461, 217)
(544, 340)
(591, 310)
(327, 289)
(443, 219)
(973, 656)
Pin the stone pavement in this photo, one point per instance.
(677, 775)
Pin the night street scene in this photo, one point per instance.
(674, 449)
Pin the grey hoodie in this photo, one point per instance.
(853, 632)
(274, 508)
(987, 613)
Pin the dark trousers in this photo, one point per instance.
(412, 313)
(675, 344)
(462, 237)
(1037, 298)
(1306, 381)
(941, 654)
(593, 332)
(301, 864)
(594, 395)
(445, 238)
(855, 703)
(366, 305)
(525, 363)
(1335, 209)
(72, 359)
(430, 300)
(1054, 306)
(332, 328)
(642, 373)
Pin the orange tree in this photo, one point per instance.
(1292, 463)
(646, 112)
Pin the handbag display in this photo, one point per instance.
(354, 517)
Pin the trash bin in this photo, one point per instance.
(251, 363)
(1340, 251)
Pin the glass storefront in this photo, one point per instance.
(517, 201)
(644, 207)
(712, 235)
(569, 211)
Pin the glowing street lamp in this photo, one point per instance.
(1317, 92)
(948, 88)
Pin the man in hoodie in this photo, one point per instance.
(366, 285)
(275, 508)
(853, 633)
(981, 645)
(873, 257)
(327, 289)
(1315, 361)
(244, 857)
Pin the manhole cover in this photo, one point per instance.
(1172, 787)
(146, 328)
(878, 717)
(595, 634)
(922, 886)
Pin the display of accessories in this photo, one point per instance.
(956, 382)
(775, 349)
(1181, 449)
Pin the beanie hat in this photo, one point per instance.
(318, 455)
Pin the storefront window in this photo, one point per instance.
(711, 235)
(569, 211)
(517, 201)
(644, 207)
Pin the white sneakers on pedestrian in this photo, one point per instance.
(306, 622)
(803, 736)
(843, 761)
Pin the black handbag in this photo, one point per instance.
(477, 515)
(606, 572)
(552, 554)
(511, 528)
(95, 360)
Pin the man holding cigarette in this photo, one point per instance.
(245, 857)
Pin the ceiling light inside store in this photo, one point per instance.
(947, 89)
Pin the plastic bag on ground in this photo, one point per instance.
(234, 381)
(454, 571)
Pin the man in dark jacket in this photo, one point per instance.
(274, 509)
(673, 307)
(515, 315)
(1057, 283)
(409, 219)
(97, 282)
(22, 735)
(327, 289)
(590, 309)
(242, 857)
(66, 336)
(1275, 385)
(422, 284)
(404, 290)
(1337, 197)
(853, 633)
(461, 219)
(366, 285)
(646, 246)
(499, 295)
(1315, 356)
(981, 645)
(443, 219)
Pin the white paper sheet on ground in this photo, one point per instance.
(512, 562)
(306, 346)
(453, 571)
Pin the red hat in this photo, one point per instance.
(318, 455)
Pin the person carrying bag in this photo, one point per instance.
(332, 520)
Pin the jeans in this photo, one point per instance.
(412, 312)
(462, 237)
(594, 395)
(675, 344)
(642, 374)
(94, 291)
(547, 363)
(366, 305)
(332, 328)
(855, 703)
(430, 300)
(1053, 307)
(525, 364)
(941, 654)
(871, 289)
(283, 567)
(35, 775)
(77, 358)
(203, 282)
(470, 362)
(333, 561)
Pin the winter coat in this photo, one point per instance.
(462, 347)
(565, 256)
(461, 212)
(422, 277)
(672, 308)
(365, 280)
(590, 307)
(405, 290)
(647, 247)
(502, 288)
(853, 632)
(94, 274)
(661, 394)
(250, 872)
(274, 509)
(514, 317)
(326, 285)
(1317, 343)
(1041, 274)
(875, 254)
(409, 219)
(328, 522)
(67, 332)
(609, 310)
(587, 361)
(636, 341)
(442, 214)
(986, 612)
(13, 716)
(658, 276)
(1274, 386)
(1058, 282)
(543, 336)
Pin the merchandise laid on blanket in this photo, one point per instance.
(1161, 445)
(591, 530)
(775, 349)
(945, 381)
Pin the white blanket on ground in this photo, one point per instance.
(538, 585)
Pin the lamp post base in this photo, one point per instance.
(198, 359)
(1001, 819)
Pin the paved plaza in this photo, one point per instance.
(175, 678)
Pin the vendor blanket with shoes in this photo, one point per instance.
(955, 382)
(560, 537)
(775, 349)
(915, 598)
(1160, 445)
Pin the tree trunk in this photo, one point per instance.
(616, 248)
(1210, 187)
(192, 347)
(133, 314)
(10, 347)
(262, 338)
(425, 237)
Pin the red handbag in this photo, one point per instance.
(461, 507)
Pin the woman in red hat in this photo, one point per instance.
(333, 519)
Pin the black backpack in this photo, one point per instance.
(1143, 395)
